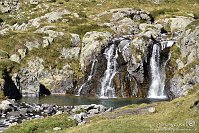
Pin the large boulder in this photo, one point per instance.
(29, 77)
(125, 26)
(31, 45)
(55, 15)
(6, 105)
(70, 53)
(15, 58)
(178, 23)
(189, 45)
(75, 40)
(92, 44)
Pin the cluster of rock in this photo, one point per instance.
(123, 21)
(82, 112)
(12, 113)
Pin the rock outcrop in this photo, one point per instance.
(187, 75)
(9, 5)
(92, 44)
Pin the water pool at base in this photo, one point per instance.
(66, 100)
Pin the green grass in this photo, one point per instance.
(177, 112)
(43, 125)
(16, 40)
(82, 29)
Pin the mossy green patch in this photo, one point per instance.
(175, 54)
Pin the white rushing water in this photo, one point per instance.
(92, 72)
(156, 89)
(107, 88)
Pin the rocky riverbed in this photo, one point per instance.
(13, 113)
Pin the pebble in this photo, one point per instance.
(56, 128)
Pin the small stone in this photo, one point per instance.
(58, 113)
(110, 109)
(151, 109)
(81, 123)
(93, 111)
(13, 124)
(77, 117)
(56, 128)
(75, 40)
(34, 2)
(15, 58)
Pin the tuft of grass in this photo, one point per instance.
(83, 28)
(2, 97)
(164, 11)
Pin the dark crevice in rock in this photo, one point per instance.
(9, 88)
(43, 90)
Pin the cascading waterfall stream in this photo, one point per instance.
(156, 89)
(107, 88)
(92, 72)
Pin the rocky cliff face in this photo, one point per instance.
(55, 47)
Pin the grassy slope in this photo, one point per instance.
(167, 114)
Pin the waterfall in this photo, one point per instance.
(107, 87)
(156, 89)
(92, 72)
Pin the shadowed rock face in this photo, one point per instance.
(10, 89)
